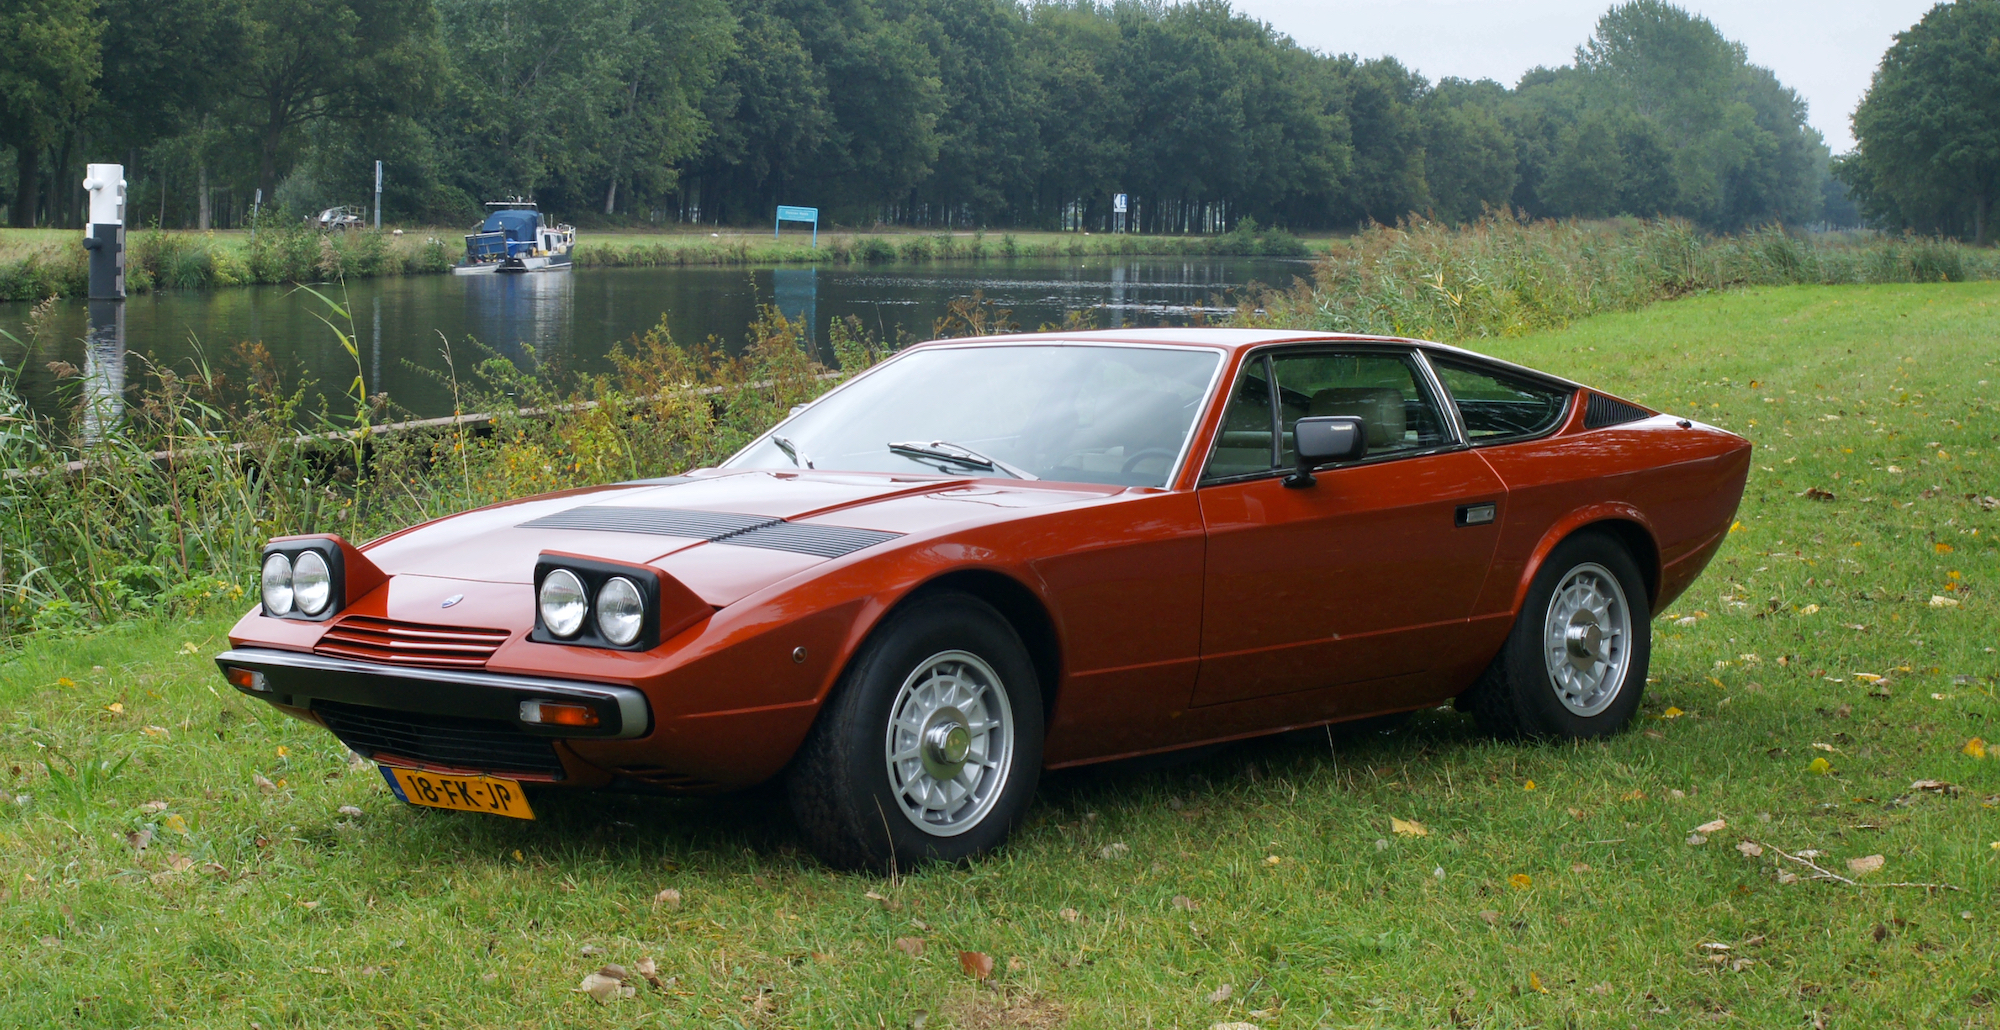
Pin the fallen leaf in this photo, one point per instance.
(1696, 840)
(1672, 713)
(175, 823)
(1787, 878)
(1490, 917)
(1865, 865)
(1530, 785)
(1407, 827)
(1636, 795)
(518, 857)
(1716, 946)
(349, 810)
(1521, 880)
(1817, 746)
(215, 869)
(1233, 1026)
(1975, 747)
(1751, 848)
(1575, 813)
(1599, 989)
(602, 989)
(1809, 609)
(1222, 994)
(155, 731)
(1272, 860)
(1933, 785)
(976, 964)
(1820, 767)
(308, 905)
(153, 807)
(911, 946)
(1941, 601)
(1070, 915)
(1712, 826)
(139, 839)
(1116, 849)
(262, 783)
(1535, 983)
(1942, 548)
(1685, 620)
(283, 751)
(1579, 867)
(115, 708)
(1813, 493)
(670, 898)
(590, 950)
(1185, 903)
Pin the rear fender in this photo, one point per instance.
(1583, 518)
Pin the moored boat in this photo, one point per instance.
(514, 238)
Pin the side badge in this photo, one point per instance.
(452, 600)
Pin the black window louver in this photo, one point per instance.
(1603, 411)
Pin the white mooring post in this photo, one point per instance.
(104, 353)
(378, 194)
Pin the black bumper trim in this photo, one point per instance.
(297, 680)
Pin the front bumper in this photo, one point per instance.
(296, 680)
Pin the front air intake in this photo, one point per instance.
(1603, 411)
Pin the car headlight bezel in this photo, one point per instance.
(274, 585)
(328, 551)
(619, 611)
(594, 575)
(562, 589)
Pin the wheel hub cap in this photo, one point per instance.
(946, 740)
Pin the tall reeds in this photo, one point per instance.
(1504, 277)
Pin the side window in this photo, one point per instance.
(1497, 406)
(1244, 444)
(1384, 390)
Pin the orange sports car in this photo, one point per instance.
(984, 558)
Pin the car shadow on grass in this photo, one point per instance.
(753, 829)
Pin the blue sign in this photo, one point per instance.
(787, 213)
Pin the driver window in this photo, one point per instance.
(1243, 444)
(1383, 390)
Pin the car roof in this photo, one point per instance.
(1234, 340)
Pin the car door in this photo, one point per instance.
(1360, 576)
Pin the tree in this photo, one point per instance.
(306, 60)
(46, 82)
(1928, 130)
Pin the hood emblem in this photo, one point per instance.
(452, 600)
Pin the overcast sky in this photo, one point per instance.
(1825, 49)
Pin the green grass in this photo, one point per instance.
(403, 918)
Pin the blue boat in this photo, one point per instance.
(514, 238)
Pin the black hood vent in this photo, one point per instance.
(1603, 411)
(716, 527)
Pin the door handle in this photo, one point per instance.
(1481, 514)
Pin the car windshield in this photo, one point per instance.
(1077, 413)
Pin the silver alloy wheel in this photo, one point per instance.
(950, 743)
(1587, 639)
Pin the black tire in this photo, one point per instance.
(1519, 696)
(839, 784)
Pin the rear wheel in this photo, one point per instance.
(1574, 665)
(930, 747)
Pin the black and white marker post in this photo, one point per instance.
(104, 353)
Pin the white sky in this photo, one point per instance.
(1825, 49)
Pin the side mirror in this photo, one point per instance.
(1323, 439)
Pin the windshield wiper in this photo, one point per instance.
(792, 451)
(951, 453)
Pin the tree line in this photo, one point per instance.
(1027, 113)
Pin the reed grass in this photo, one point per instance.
(1504, 277)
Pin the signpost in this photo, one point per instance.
(1118, 206)
(378, 196)
(787, 213)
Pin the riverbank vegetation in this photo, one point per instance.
(943, 114)
(172, 852)
(126, 534)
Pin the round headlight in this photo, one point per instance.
(312, 585)
(620, 611)
(563, 603)
(277, 585)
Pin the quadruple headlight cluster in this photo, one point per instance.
(301, 579)
(601, 604)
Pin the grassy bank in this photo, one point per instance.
(37, 263)
(172, 854)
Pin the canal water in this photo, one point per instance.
(401, 326)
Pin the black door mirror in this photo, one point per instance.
(1324, 439)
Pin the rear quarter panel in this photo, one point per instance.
(1681, 485)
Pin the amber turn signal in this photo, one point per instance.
(246, 679)
(558, 713)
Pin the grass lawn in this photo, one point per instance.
(1557, 885)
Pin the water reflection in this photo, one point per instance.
(103, 371)
(574, 318)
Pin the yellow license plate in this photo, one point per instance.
(460, 793)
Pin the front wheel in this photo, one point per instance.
(1574, 665)
(931, 745)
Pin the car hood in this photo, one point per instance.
(722, 534)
